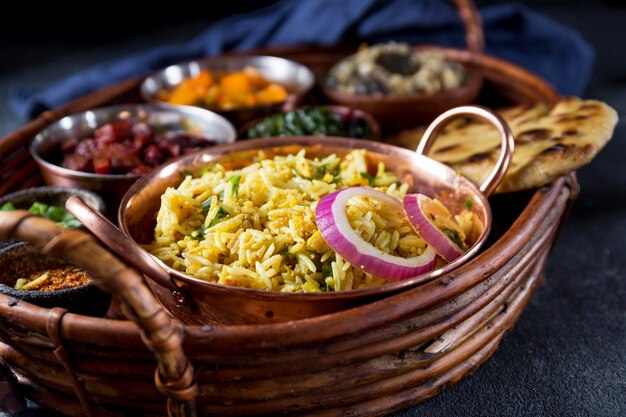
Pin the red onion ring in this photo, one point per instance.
(422, 224)
(333, 223)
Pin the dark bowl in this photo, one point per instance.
(53, 195)
(21, 257)
(345, 112)
(397, 112)
(46, 147)
(295, 77)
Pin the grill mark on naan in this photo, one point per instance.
(480, 157)
(534, 135)
(448, 148)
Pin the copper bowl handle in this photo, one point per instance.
(507, 142)
(123, 247)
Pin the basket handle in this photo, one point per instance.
(507, 142)
(474, 36)
(174, 376)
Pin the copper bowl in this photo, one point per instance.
(343, 111)
(295, 77)
(46, 147)
(195, 301)
(397, 112)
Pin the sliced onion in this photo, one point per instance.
(422, 224)
(333, 223)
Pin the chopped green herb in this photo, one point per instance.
(39, 208)
(327, 270)
(55, 213)
(51, 212)
(321, 170)
(221, 213)
(234, 181)
(70, 223)
(206, 204)
(198, 234)
(324, 286)
(454, 236)
(469, 203)
(7, 207)
(368, 177)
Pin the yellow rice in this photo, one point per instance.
(255, 227)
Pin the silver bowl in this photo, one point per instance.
(296, 78)
(46, 147)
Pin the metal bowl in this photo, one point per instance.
(296, 78)
(46, 147)
(195, 301)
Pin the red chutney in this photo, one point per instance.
(125, 147)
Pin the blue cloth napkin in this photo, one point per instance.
(549, 49)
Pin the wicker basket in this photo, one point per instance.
(366, 361)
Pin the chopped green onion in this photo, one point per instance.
(321, 170)
(55, 213)
(219, 216)
(7, 207)
(51, 212)
(469, 203)
(454, 236)
(39, 208)
(327, 270)
(368, 177)
(234, 181)
(206, 204)
(198, 234)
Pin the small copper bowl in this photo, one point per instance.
(295, 77)
(344, 112)
(195, 301)
(397, 112)
(46, 147)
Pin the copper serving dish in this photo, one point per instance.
(196, 301)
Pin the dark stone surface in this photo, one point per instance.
(567, 354)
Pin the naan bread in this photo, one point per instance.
(548, 143)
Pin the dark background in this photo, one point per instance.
(567, 354)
